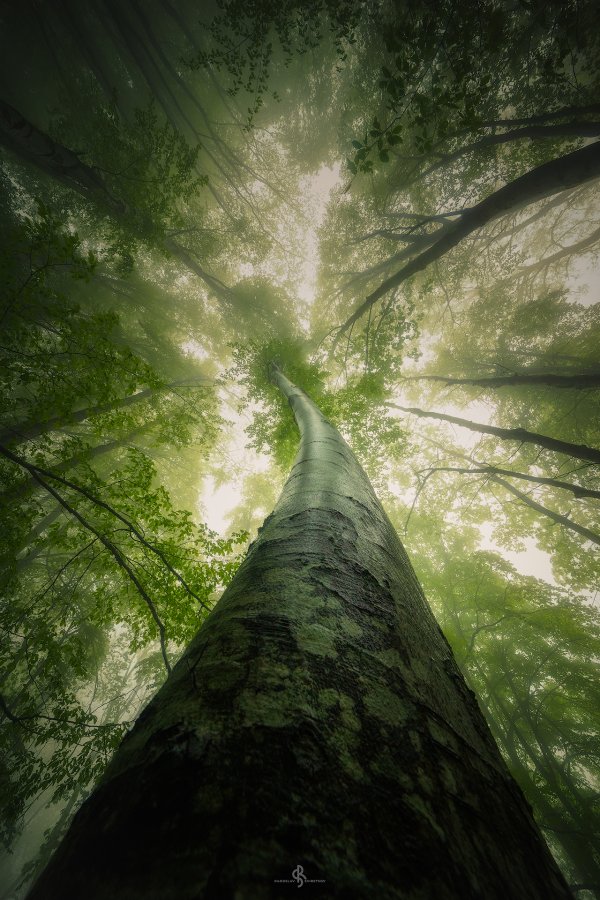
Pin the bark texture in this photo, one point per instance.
(318, 719)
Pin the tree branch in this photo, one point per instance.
(580, 381)
(549, 178)
(36, 471)
(575, 489)
(579, 451)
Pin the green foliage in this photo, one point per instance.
(58, 623)
(450, 73)
(261, 308)
(53, 354)
(146, 166)
(375, 436)
(530, 653)
(92, 556)
(273, 427)
(93, 316)
(247, 38)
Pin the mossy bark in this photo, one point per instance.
(318, 719)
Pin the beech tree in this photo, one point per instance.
(393, 207)
(323, 681)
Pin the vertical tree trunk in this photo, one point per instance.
(316, 727)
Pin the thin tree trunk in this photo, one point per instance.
(569, 250)
(556, 517)
(579, 451)
(37, 147)
(87, 48)
(24, 561)
(219, 288)
(131, 44)
(583, 380)
(22, 488)
(565, 112)
(19, 434)
(421, 242)
(317, 727)
(575, 489)
(58, 161)
(52, 43)
(558, 175)
(531, 132)
(513, 742)
(516, 745)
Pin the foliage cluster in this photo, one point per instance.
(355, 408)
(449, 72)
(248, 38)
(103, 579)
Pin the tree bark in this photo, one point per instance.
(557, 175)
(28, 142)
(317, 725)
(530, 132)
(579, 451)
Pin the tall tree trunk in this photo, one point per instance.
(317, 727)
(579, 451)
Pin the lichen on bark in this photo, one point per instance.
(318, 718)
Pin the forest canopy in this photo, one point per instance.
(395, 203)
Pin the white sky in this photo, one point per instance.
(317, 189)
